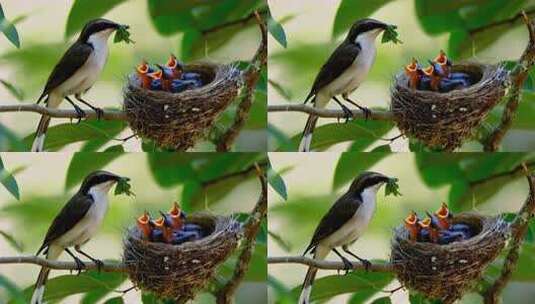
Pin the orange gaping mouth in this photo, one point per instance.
(143, 68)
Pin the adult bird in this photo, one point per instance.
(344, 71)
(75, 73)
(75, 224)
(343, 224)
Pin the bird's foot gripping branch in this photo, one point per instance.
(449, 266)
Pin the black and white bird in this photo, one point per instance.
(343, 224)
(76, 72)
(76, 223)
(344, 71)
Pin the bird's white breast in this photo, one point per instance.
(355, 227)
(83, 79)
(90, 223)
(357, 72)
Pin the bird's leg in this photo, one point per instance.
(367, 112)
(347, 264)
(347, 112)
(79, 112)
(364, 262)
(99, 263)
(79, 264)
(99, 111)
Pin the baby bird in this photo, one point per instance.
(143, 71)
(429, 231)
(443, 216)
(176, 69)
(444, 62)
(411, 224)
(434, 72)
(143, 223)
(412, 71)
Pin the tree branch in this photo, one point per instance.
(241, 21)
(31, 259)
(321, 264)
(515, 172)
(251, 77)
(519, 228)
(57, 113)
(243, 172)
(510, 21)
(375, 114)
(518, 76)
(225, 294)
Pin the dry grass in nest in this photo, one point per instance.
(446, 272)
(179, 120)
(178, 272)
(445, 120)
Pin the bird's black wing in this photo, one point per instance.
(340, 60)
(341, 212)
(68, 217)
(71, 61)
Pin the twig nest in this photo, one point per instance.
(445, 120)
(178, 272)
(445, 272)
(178, 120)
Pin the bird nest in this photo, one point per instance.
(178, 272)
(445, 272)
(445, 120)
(178, 120)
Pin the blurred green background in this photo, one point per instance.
(159, 27)
(467, 181)
(315, 28)
(45, 182)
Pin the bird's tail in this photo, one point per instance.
(304, 298)
(320, 252)
(306, 139)
(39, 141)
(39, 289)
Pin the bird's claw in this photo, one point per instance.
(79, 265)
(100, 113)
(367, 264)
(367, 113)
(347, 266)
(347, 114)
(79, 114)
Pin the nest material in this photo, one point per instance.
(178, 120)
(445, 120)
(178, 272)
(445, 272)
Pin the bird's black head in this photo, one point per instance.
(365, 26)
(95, 26)
(98, 178)
(366, 180)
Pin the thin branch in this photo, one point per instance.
(518, 76)
(519, 228)
(225, 294)
(515, 172)
(251, 77)
(32, 259)
(241, 21)
(332, 265)
(510, 21)
(243, 172)
(57, 113)
(375, 114)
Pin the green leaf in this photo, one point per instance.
(16, 295)
(8, 181)
(352, 164)
(350, 11)
(328, 135)
(9, 29)
(83, 11)
(383, 300)
(15, 91)
(355, 282)
(61, 135)
(116, 300)
(276, 182)
(390, 34)
(277, 31)
(63, 286)
(12, 241)
(9, 141)
(84, 163)
(170, 169)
